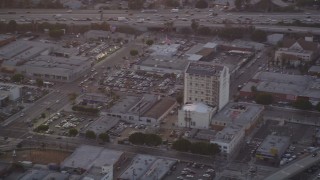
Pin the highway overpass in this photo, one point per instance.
(294, 168)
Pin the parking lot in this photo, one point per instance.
(301, 142)
(190, 170)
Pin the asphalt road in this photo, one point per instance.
(181, 19)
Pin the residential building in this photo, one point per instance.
(296, 52)
(206, 83)
(196, 115)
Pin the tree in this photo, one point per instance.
(43, 115)
(90, 134)
(259, 36)
(135, 4)
(181, 145)
(12, 26)
(134, 52)
(42, 128)
(73, 132)
(194, 25)
(238, 4)
(152, 140)
(201, 4)
(185, 30)
(17, 77)
(149, 42)
(169, 25)
(302, 104)
(263, 98)
(73, 96)
(39, 82)
(55, 33)
(172, 3)
(318, 106)
(137, 138)
(104, 137)
(204, 31)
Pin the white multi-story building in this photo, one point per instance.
(196, 115)
(207, 83)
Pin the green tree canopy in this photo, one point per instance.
(204, 31)
(152, 140)
(172, 3)
(90, 134)
(42, 128)
(259, 36)
(135, 4)
(302, 104)
(263, 98)
(12, 26)
(201, 4)
(149, 42)
(238, 3)
(137, 138)
(134, 52)
(318, 107)
(73, 132)
(17, 77)
(55, 33)
(181, 145)
(39, 82)
(104, 137)
(194, 25)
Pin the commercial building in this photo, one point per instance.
(196, 115)
(206, 83)
(235, 121)
(43, 60)
(9, 92)
(273, 147)
(102, 125)
(146, 109)
(314, 71)
(6, 39)
(163, 59)
(296, 52)
(98, 162)
(284, 87)
(147, 167)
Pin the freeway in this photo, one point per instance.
(183, 18)
(294, 168)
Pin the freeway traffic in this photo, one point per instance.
(211, 18)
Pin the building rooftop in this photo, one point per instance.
(103, 124)
(165, 62)
(204, 69)
(87, 156)
(23, 49)
(197, 107)
(134, 104)
(35, 174)
(228, 133)
(56, 176)
(160, 107)
(314, 69)
(148, 167)
(238, 113)
(273, 144)
(164, 50)
(282, 78)
(7, 87)
(5, 37)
